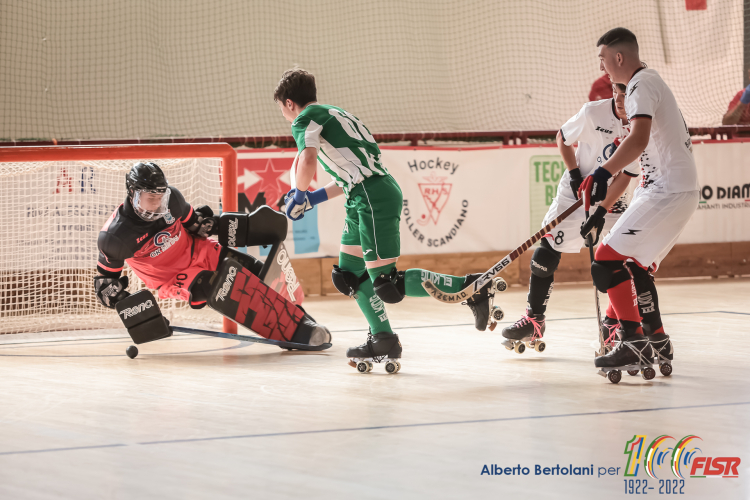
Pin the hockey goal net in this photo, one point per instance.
(54, 201)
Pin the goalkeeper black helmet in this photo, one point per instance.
(145, 176)
(148, 191)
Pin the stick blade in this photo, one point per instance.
(446, 297)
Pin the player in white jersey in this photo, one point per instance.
(660, 209)
(598, 128)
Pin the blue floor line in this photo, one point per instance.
(381, 427)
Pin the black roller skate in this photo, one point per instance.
(663, 352)
(633, 353)
(528, 330)
(609, 338)
(377, 348)
(482, 303)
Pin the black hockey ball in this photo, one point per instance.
(131, 351)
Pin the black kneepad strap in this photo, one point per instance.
(608, 274)
(347, 282)
(390, 287)
(142, 317)
(544, 262)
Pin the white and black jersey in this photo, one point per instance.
(667, 163)
(597, 129)
(668, 195)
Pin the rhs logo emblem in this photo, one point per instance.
(435, 193)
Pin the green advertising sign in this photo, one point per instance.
(544, 176)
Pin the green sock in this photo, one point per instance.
(370, 304)
(414, 278)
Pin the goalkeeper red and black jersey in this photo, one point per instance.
(156, 250)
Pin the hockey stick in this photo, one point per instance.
(252, 338)
(601, 351)
(469, 291)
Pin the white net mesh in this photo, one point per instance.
(190, 68)
(52, 214)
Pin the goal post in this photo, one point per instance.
(54, 201)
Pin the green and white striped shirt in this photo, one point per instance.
(346, 149)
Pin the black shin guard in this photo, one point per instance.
(543, 264)
(540, 290)
(648, 300)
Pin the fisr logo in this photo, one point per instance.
(722, 466)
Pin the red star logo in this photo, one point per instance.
(269, 172)
(269, 181)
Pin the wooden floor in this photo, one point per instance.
(203, 418)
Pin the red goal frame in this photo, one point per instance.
(223, 151)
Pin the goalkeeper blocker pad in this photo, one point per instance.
(141, 316)
(264, 227)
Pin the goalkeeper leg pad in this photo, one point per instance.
(242, 297)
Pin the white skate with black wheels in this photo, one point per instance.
(383, 347)
(526, 332)
(633, 354)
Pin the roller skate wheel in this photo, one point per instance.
(540, 346)
(632, 373)
(648, 373)
(391, 367)
(500, 285)
(497, 313)
(398, 367)
(665, 369)
(614, 376)
(362, 367)
(519, 348)
(369, 366)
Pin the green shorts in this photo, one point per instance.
(373, 215)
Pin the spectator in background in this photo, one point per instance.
(738, 112)
(601, 89)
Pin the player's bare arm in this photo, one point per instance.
(616, 189)
(307, 165)
(632, 147)
(568, 154)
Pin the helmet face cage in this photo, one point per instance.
(148, 190)
(151, 205)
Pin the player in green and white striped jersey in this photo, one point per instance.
(370, 243)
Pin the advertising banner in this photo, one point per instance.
(481, 199)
